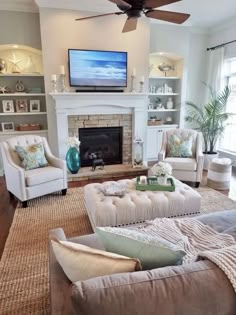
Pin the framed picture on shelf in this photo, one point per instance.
(8, 106)
(34, 105)
(21, 106)
(7, 126)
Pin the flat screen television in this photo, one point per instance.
(97, 68)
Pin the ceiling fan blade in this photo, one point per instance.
(130, 25)
(121, 3)
(99, 15)
(151, 4)
(173, 17)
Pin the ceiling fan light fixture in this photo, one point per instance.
(136, 8)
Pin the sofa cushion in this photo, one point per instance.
(42, 175)
(32, 156)
(152, 252)
(198, 288)
(81, 262)
(179, 146)
(185, 164)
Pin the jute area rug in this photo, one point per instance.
(24, 280)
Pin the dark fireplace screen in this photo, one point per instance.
(105, 143)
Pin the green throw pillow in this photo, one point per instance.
(32, 156)
(180, 147)
(152, 252)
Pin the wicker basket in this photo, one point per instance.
(155, 122)
(28, 127)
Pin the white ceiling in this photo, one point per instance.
(204, 13)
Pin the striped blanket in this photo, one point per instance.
(198, 241)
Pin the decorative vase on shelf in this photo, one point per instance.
(169, 104)
(162, 180)
(73, 160)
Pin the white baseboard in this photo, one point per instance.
(1, 172)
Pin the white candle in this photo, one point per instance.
(62, 69)
(134, 72)
(54, 77)
(142, 79)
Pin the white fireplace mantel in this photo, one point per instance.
(99, 103)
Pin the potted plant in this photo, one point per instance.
(210, 119)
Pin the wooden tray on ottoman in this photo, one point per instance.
(153, 185)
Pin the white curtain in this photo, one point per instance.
(215, 70)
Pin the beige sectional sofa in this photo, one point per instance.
(197, 288)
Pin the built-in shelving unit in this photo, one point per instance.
(36, 132)
(162, 110)
(163, 94)
(30, 81)
(163, 77)
(21, 75)
(25, 64)
(23, 114)
(164, 100)
(21, 94)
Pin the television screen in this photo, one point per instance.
(97, 68)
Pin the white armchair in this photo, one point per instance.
(30, 184)
(185, 169)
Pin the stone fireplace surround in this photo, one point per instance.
(71, 106)
(115, 120)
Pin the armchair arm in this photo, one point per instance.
(56, 162)
(162, 153)
(199, 157)
(14, 174)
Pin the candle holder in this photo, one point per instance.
(54, 85)
(63, 82)
(141, 86)
(133, 83)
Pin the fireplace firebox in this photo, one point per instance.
(105, 143)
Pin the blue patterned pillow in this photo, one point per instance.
(32, 156)
(180, 147)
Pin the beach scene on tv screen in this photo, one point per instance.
(98, 68)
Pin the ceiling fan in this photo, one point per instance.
(134, 9)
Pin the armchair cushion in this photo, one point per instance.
(42, 175)
(185, 164)
(32, 156)
(179, 146)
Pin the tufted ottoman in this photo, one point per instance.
(138, 206)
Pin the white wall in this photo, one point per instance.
(60, 31)
(20, 28)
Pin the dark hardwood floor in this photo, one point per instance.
(8, 204)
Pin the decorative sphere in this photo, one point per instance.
(3, 65)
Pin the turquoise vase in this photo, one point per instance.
(73, 160)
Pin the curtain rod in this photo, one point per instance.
(221, 45)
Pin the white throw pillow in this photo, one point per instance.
(80, 262)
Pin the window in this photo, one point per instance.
(228, 141)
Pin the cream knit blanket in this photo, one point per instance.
(198, 241)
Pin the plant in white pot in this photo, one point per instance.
(211, 120)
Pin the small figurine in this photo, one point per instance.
(96, 161)
(20, 86)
